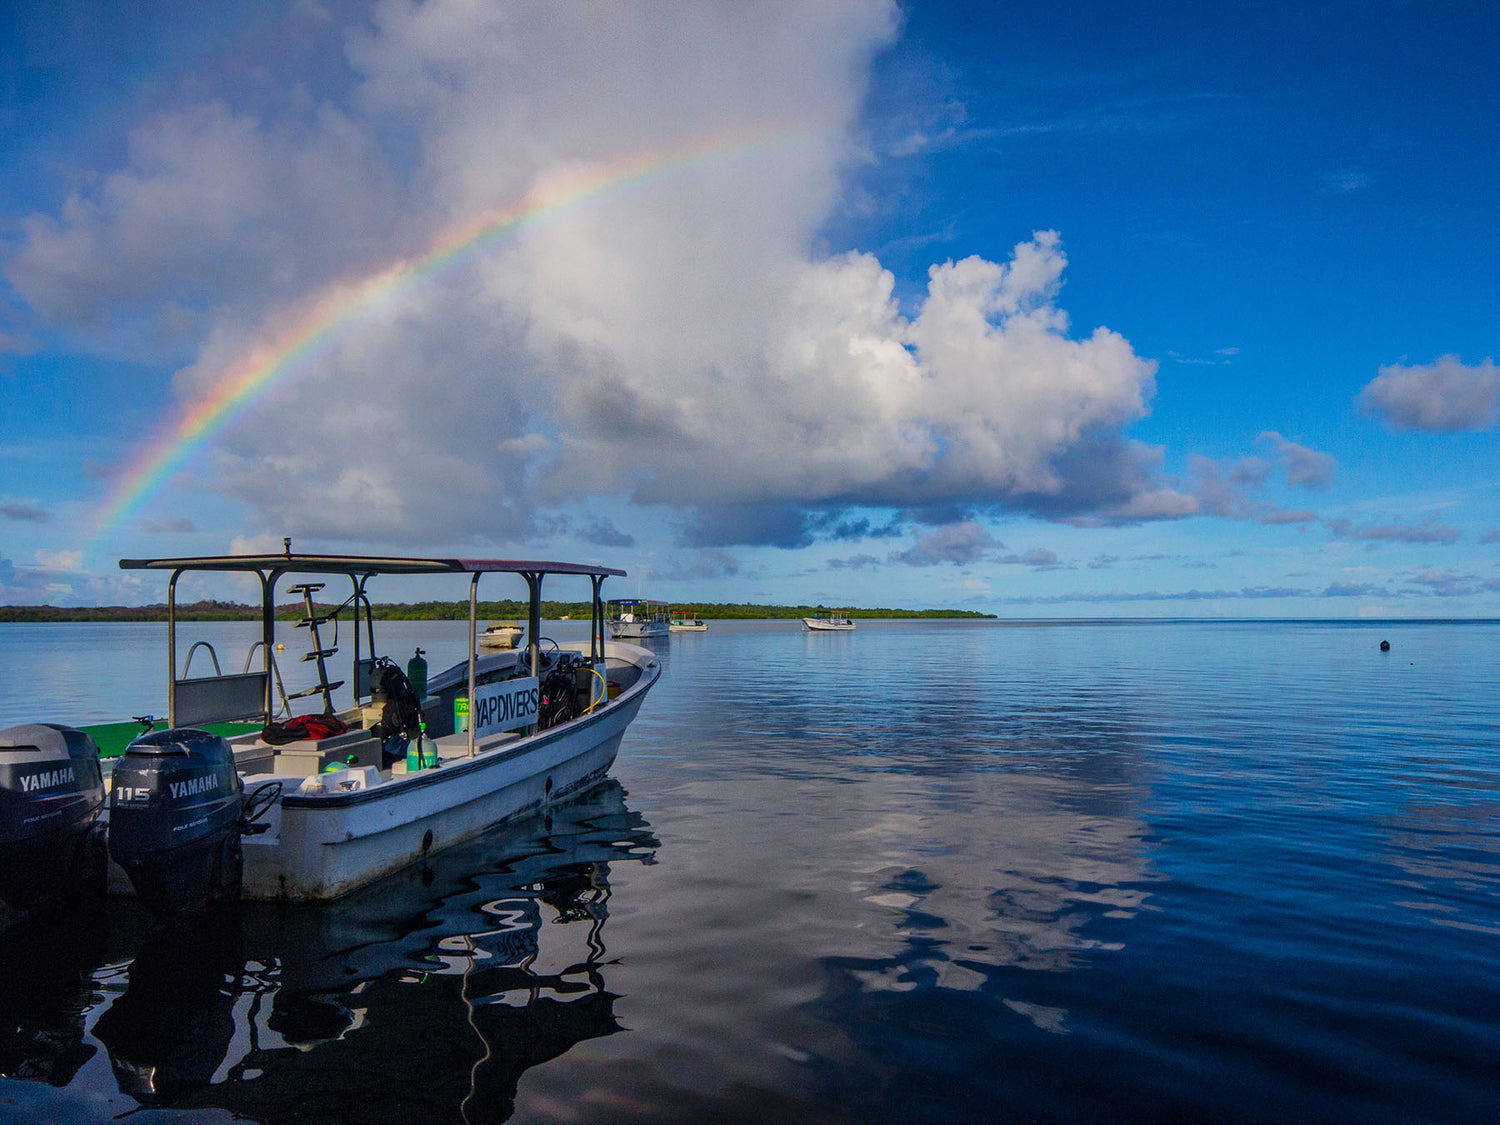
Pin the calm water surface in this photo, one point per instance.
(920, 872)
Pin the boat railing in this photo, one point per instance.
(217, 698)
(212, 655)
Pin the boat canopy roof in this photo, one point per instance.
(366, 565)
(634, 601)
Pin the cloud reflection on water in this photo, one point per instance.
(863, 828)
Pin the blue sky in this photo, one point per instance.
(1083, 310)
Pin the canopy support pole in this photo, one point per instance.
(596, 622)
(267, 638)
(534, 618)
(473, 645)
(172, 648)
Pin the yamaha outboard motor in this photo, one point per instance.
(174, 820)
(51, 795)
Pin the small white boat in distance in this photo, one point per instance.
(832, 623)
(500, 634)
(689, 625)
(639, 617)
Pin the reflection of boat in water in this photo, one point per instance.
(500, 634)
(170, 1030)
(48, 985)
(423, 997)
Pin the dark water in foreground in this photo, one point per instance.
(921, 872)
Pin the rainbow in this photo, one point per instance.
(314, 331)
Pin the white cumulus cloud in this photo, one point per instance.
(675, 337)
(1444, 396)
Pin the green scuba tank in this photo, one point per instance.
(421, 754)
(416, 675)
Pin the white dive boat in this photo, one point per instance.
(194, 817)
(500, 634)
(831, 623)
(689, 625)
(639, 617)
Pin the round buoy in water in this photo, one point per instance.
(1385, 646)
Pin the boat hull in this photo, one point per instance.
(627, 630)
(821, 625)
(502, 637)
(327, 849)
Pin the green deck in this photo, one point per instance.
(113, 738)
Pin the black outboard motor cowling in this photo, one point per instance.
(51, 795)
(174, 820)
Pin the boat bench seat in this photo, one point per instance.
(216, 699)
(313, 755)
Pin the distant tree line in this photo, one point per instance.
(449, 611)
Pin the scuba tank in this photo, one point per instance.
(421, 754)
(416, 675)
(418, 756)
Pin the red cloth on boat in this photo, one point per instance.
(300, 727)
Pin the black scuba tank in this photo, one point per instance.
(51, 795)
(174, 819)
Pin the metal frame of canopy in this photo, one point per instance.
(359, 569)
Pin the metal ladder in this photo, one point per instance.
(311, 620)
